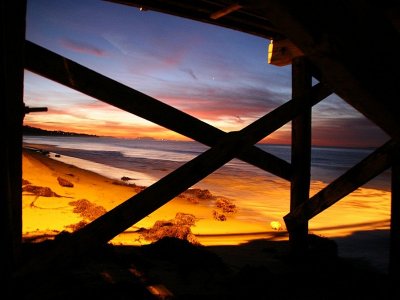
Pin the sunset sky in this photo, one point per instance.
(216, 74)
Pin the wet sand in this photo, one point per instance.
(232, 258)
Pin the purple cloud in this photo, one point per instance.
(82, 47)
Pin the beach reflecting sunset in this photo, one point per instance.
(258, 202)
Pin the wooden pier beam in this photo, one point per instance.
(370, 167)
(64, 71)
(120, 218)
(282, 52)
(301, 151)
(12, 24)
(394, 259)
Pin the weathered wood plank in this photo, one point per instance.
(252, 23)
(12, 34)
(140, 205)
(394, 256)
(368, 168)
(225, 11)
(73, 75)
(137, 207)
(282, 52)
(301, 151)
(366, 75)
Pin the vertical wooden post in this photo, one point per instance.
(12, 20)
(301, 152)
(394, 259)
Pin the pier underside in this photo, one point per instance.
(350, 47)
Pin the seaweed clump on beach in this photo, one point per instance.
(179, 227)
(39, 190)
(195, 195)
(88, 212)
(224, 207)
(64, 182)
(87, 209)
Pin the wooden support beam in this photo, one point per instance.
(282, 52)
(12, 35)
(301, 152)
(140, 205)
(245, 19)
(225, 11)
(394, 256)
(368, 168)
(64, 71)
(336, 37)
(28, 110)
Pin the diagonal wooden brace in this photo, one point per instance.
(368, 168)
(109, 225)
(140, 205)
(62, 70)
(123, 216)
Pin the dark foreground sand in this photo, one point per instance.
(175, 269)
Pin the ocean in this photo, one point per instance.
(149, 160)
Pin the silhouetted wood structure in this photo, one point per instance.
(301, 150)
(335, 42)
(12, 24)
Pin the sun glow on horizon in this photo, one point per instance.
(217, 75)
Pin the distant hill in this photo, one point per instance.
(29, 130)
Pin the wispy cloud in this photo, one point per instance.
(363, 133)
(81, 47)
(190, 72)
(118, 41)
(205, 101)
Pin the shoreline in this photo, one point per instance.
(111, 194)
(51, 215)
(133, 155)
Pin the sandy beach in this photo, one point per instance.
(90, 195)
(59, 197)
(50, 214)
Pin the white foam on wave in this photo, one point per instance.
(138, 178)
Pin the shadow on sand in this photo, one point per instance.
(175, 269)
